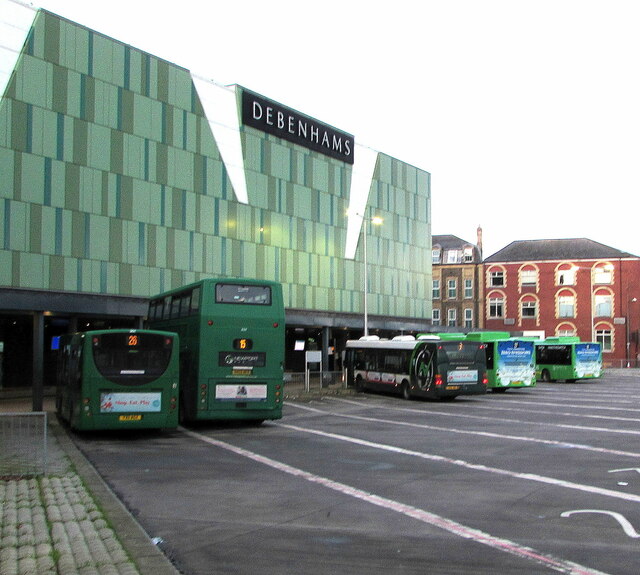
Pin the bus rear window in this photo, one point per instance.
(458, 352)
(131, 358)
(243, 294)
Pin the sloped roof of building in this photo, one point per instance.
(559, 249)
(449, 242)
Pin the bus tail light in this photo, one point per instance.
(485, 379)
(275, 324)
(203, 393)
(86, 406)
(438, 380)
(278, 393)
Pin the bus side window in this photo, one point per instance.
(195, 301)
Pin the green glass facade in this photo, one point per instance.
(112, 183)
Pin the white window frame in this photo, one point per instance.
(494, 277)
(498, 304)
(468, 288)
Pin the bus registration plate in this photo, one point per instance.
(453, 387)
(132, 417)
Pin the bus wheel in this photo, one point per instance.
(406, 390)
(546, 376)
(498, 389)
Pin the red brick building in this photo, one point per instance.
(567, 287)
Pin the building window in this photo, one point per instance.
(435, 317)
(603, 306)
(603, 337)
(529, 309)
(566, 306)
(451, 317)
(468, 289)
(468, 255)
(528, 278)
(566, 277)
(435, 255)
(496, 279)
(452, 289)
(496, 307)
(562, 332)
(453, 257)
(468, 317)
(436, 289)
(603, 274)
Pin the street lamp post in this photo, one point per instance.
(626, 321)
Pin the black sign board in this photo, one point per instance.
(290, 125)
(242, 359)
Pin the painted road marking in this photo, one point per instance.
(426, 517)
(468, 465)
(488, 434)
(624, 522)
(485, 418)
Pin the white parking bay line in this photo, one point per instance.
(473, 466)
(448, 525)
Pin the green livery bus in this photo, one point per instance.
(118, 379)
(424, 367)
(232, 334)
(510, 360)
(568, 359)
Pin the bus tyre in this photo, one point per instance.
(546, 376)
(406, 390)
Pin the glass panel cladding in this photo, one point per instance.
(151, 180)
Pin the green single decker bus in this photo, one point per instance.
(510, 360)
(118, 379)
(568, 359)
(232, 343)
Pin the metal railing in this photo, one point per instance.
(313, 381)
(23, 444)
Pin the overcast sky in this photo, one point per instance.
(526, 113)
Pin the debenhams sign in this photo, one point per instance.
(275, 119)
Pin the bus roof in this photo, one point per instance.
(230, 280)
(560, 339)
(488, 335)
(383, 343)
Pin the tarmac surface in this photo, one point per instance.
(68, 521)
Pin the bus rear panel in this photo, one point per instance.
(510, 361)
(118, 379)
(232, 335)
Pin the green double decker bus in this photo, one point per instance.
(510, 360)
(232, 334)
(568, 359)
(118, 379)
